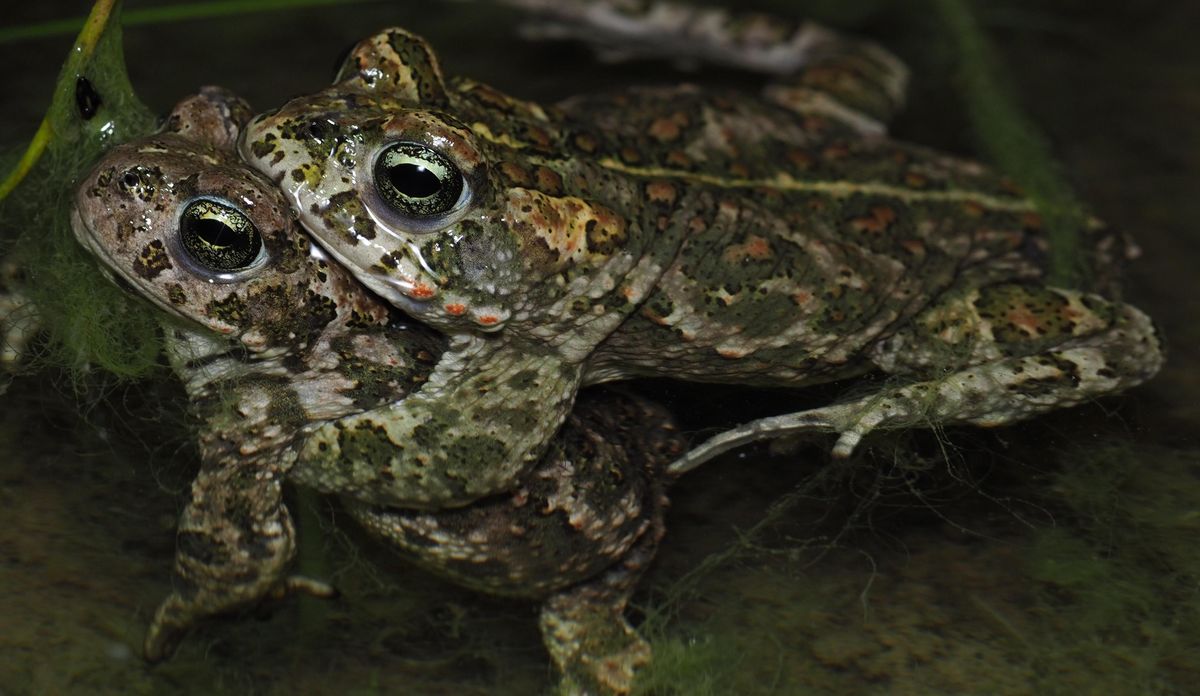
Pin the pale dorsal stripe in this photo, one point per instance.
(784, 182)
(840, 189)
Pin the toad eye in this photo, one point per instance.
(417, 181)
(218, 237)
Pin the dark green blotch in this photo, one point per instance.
(231, 310)
(367, 443)
(262, 148)
(176, 294)
(524, 380)
(472, 452)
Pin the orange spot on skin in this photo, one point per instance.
(758, 248)
(515, 173)
(422, 291)
(880, 219)
(1032, 221)
(755, 248)
(678, 158)
(1024, 319)
(585, 142)
(538, 136)
(799, 159)
(456, 309)
(815, 124)
(914, 247)
(654, 317)
(973, 209)
(668, 128)
(836, 151)
(548, 180)
(661, 192)
(571, 229)
(488, 319)
(1071, 313)
(731, 353)
(1010, 186)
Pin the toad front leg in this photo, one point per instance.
(235, 537)
(485, 415)
(986, 356)
(234, 542)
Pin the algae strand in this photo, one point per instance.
(1014, 143)
(89, 322)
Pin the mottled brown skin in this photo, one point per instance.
(291, 342)
(288, 342)
(687, 233)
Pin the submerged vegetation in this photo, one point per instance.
(1013, 143)
(1096, 590)
(88, 321)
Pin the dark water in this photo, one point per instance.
(1053, 557)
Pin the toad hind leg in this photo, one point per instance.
(1011, 350)
(596, 650)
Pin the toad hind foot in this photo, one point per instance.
(593, 645)
(596, 650)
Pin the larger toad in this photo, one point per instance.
(680, 232)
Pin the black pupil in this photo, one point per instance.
(417, 181)
(413, 180)
(214, 232)
(218, 237)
